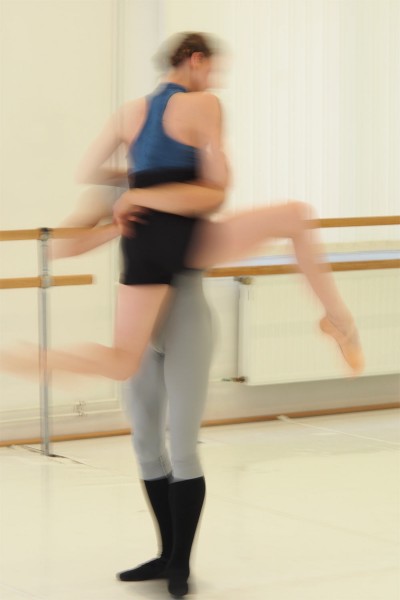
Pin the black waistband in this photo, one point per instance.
(158, 176)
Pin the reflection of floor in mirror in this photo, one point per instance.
(302, 509)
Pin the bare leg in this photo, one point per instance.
(138, 309)
(240, 235)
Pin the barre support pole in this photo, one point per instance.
(43, 338)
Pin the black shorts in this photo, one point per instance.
(158, 250)
(159, 247)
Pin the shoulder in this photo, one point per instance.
(133, 107)
(205, 100)
(206, 107)
(209, 114)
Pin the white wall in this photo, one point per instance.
(66, 66)
(313, 101)
(141, 30)
(58, 87)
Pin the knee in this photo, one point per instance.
(153, 462)
(127, 366)
(186, 466)
(299, 213)
(146, 448)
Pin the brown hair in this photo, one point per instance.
(181, 46)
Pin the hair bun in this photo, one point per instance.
(181, 46)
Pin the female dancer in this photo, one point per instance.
(175, 136)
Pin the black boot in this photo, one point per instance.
(186, 500)
(158, 494)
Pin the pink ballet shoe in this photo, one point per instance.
(349, 344)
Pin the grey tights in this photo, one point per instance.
(176, 367)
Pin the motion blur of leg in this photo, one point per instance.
(138, 309)
(179, 369)
(240, 235)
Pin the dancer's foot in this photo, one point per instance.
(178, 583)
(348, 341)
(154, 569)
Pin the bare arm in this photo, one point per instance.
(198, 198)
(95, 206)
(188, 199)
(95, 167)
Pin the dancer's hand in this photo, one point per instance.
(126, 213)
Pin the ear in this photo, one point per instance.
(196, 59)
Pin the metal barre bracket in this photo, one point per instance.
(244, 280)
(45, 234)
(46, 281)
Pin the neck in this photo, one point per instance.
(181, 78)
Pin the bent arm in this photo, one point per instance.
(187, 199)
(205, 195)
(200, 197)
(94, 206)
(95, 166)
(96, 236)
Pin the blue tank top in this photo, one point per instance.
(154, 152)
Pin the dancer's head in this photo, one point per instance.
(188, 58)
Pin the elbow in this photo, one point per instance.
(218, 201)
(84, 174)
(81, 177)
(61, 250)
(214, 202)
(56, 250)
(221, 198)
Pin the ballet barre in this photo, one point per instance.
(43, 282)
(283, 267)
(14, 235)
(242, 271)
(353, 222)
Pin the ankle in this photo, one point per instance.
(343, 320)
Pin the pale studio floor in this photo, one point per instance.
(298, 510)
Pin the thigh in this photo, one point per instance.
(188, 353)
(138, 309)
(239, 236)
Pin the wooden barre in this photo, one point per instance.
(66, 280)
(15, 235)
(353, 222)
(70, 232)
(39, 282)
(19, 234)
(357, 265)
